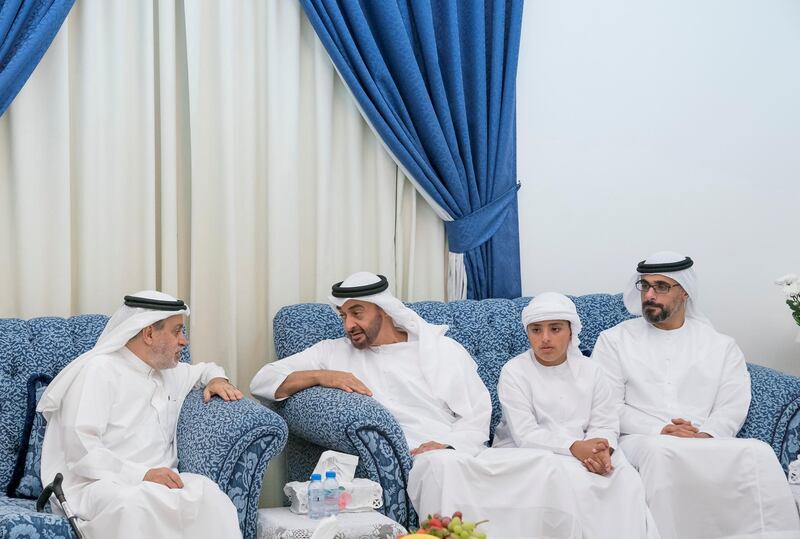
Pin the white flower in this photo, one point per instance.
(789, 278)
(791, 289)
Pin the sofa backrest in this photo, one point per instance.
(40, 346)
(491, 330)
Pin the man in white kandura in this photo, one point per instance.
(111, 424)
(431, 386)
(683, 392)
(554, 398)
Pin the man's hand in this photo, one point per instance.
(681, 428)
(300, 380)
(223, 388)
(164, 476)
(428, 446)
(346, 381)
(594, 453)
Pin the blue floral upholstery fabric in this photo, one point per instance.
(492, 332)
(355, 424)
(773, 416)
(19, 520)
(231, 443)
(26, 482)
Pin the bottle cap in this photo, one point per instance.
(330, 473)
(316, 477)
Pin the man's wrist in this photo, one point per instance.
(133, 474)
(572, 447)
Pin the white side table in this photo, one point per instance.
(281, 523)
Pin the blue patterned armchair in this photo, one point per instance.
(231, 443)
(321, 418)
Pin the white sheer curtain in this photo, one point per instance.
(207, 149)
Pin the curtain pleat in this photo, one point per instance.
(210, 151)
(436, 81)
(27, 27)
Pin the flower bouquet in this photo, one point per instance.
(791, 289)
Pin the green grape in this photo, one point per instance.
(469, 526)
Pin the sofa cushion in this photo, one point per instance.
(25, 482)
(19, 520)
(27, 347)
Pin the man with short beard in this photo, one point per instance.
(112, 416)
(683, 391)
(430, 384)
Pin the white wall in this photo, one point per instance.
(646, 126)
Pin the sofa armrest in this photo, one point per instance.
(358, 425)
(232, 444)
(773, 416)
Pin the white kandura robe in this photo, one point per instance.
(550, 408)
(118, 421)
(696, 488)
(443, 399)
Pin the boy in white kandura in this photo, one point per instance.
(555, 399)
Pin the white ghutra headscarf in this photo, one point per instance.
(123, 325)
(554, 306)
(436, 365)
(687, 278)
(403, 317)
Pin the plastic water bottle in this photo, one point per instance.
(316, 497)
(331, 486)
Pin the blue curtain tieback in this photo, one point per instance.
(473, 230)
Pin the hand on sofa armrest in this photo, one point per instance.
(213, 436)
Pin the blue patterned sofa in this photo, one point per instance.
(321, 418)
(232, 443)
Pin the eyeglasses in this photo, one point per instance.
(659, 287)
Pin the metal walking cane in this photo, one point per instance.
(55, 488)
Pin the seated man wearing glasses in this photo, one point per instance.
(683, 391)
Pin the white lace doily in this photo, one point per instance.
(281, 523)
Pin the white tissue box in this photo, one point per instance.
(365, 495)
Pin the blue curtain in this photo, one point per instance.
(437, 81)
(27, 27)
